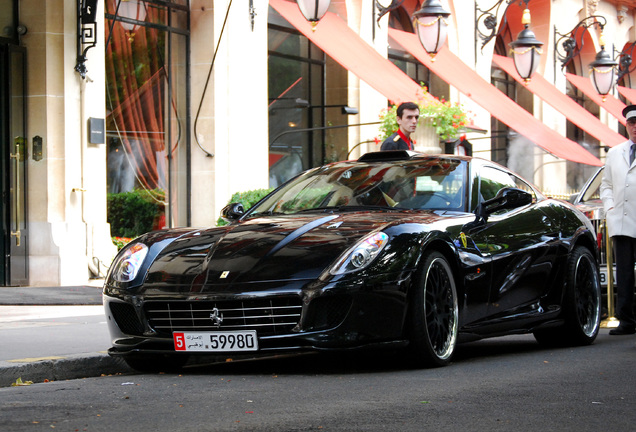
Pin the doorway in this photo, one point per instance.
(13, 159)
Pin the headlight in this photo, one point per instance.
(361, 254)
(127, 266)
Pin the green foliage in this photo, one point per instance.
(447, 118)
(248, 199)
(131, 214)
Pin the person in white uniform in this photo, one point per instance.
(618, 192)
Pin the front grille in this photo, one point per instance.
(267, 316)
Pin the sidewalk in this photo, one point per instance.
(54, 333)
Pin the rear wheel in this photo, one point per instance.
(434, 313)
(156, 362)
(581, 305)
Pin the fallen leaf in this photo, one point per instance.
(19, 382)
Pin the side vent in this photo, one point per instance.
(126, 318)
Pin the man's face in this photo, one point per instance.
(631, 128)
(408, 121)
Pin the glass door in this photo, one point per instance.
(14, 266)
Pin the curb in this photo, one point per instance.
(59, 369)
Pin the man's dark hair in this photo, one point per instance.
(406, 105)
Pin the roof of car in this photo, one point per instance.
(397, 155)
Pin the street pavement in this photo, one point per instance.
(54, 333)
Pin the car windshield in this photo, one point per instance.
(434, 184)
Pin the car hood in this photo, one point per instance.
(263, 249)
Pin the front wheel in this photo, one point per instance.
(581, 304)
(434, 313)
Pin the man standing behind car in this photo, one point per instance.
(618, 192)
(407, 115)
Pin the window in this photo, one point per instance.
(296, 86)
(147, 70)
(492, 180)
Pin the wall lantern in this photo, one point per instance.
(432, 26)
(526, 50)
(313, 10)
(603, 68)
(132, 10)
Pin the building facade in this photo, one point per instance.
(194, 100)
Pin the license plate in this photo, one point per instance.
(226, 341)
(603, 276)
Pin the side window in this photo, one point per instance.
(491, 181)
(520, 184)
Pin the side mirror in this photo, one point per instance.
(232, 212)
(507, 198)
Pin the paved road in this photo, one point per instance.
(502, 384)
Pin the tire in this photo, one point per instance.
(156, 362)
(434, 313)
(581, 304)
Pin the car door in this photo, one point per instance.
(522, 244)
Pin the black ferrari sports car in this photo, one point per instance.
(396, 249)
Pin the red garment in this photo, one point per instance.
(406, 139)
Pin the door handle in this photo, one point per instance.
(17, 211)
(17, 234)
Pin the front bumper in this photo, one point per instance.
(293, 317)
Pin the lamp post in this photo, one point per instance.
(526, 49)
(432, 27)
(313, 10)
